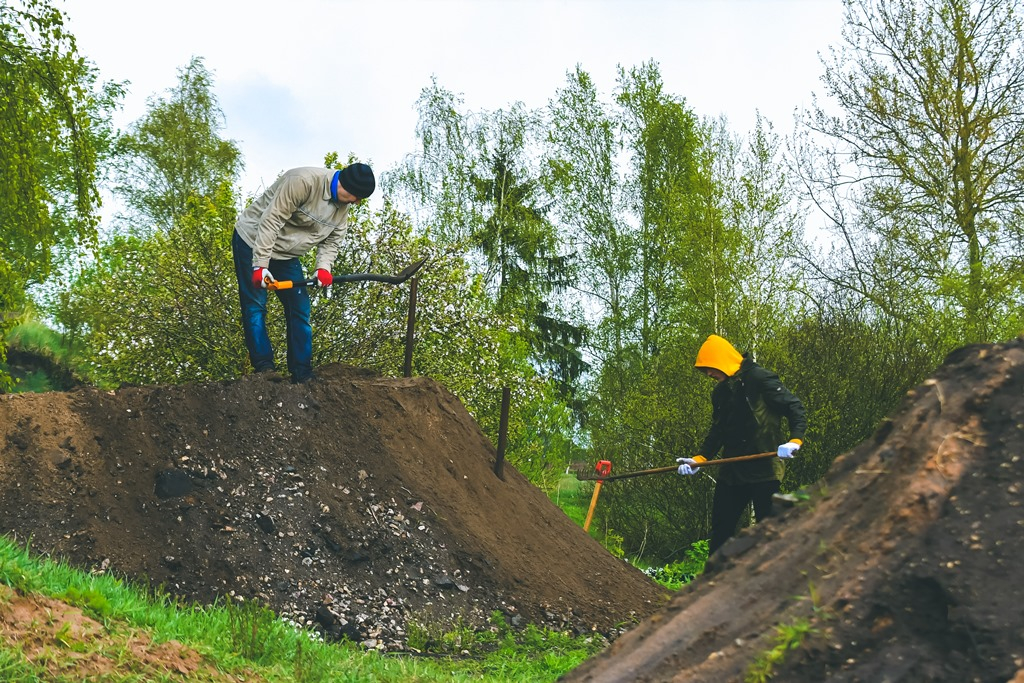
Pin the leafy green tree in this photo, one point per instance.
(435, 183)
(513, 233)
(163, 309)
(699, 238)
(664, 141)
(520, 248)
(174, 153)
(54, 128)
(474, 188)
(628, 176)
(761, 206)
(928, 146)
(583, 177)
(851, 369)
(477, 187)
(159, 304)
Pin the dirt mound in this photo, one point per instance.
(904, 566)
(355, 503)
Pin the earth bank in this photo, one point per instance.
(355, 505)
(904, 566)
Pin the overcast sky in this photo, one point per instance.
(299, 78)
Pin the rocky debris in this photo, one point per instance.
(355, 505)
(171, 483)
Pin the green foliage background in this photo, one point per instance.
(577, 254)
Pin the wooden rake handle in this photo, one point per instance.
(674, 468)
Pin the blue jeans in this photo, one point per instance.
(254, 313)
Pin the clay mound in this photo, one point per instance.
(356, 503)
(906, 562)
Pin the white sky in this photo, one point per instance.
(299, 78)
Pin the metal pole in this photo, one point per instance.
(499, 464)
(410, 329)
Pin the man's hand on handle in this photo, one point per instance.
(261, 277)
(323, 278)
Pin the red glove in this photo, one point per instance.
(323, 278)
(260, 277)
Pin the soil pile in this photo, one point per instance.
(904, 565)
(355, 504)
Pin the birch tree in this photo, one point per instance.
(54, 130)
(922, 172)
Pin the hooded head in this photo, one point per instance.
(720, 355)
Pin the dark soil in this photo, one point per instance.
(906, 561)
(354, 505)
(358, 504)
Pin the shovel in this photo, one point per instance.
(407, 273)
(673, 468)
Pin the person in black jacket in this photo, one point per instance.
(748, 405)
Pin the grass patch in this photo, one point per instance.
(130, 627)
(573, 497)
(787, 637)
(504, 653)
(676, 575)
(568, 495)
(33, 335)
(35, 382)
(39, 359)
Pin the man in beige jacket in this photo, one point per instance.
(305, 208)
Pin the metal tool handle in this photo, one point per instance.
(406, 273)
(290, 284)
(673, 468)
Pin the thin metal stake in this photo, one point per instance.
(410, 328)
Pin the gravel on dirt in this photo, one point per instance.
(355, 505)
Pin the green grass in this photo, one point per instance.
(677, 574)
(504, 653)
(47, 344)
(35, 336)
(573, 497)
(788, 637)
(567, 496)
(34, 382)
(248, 642)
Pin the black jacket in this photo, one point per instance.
(747, 412)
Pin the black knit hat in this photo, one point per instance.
(357, 179)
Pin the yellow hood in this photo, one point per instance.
(719, 354)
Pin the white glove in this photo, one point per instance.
(787, 450)
(261, 276)
(688, 466)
